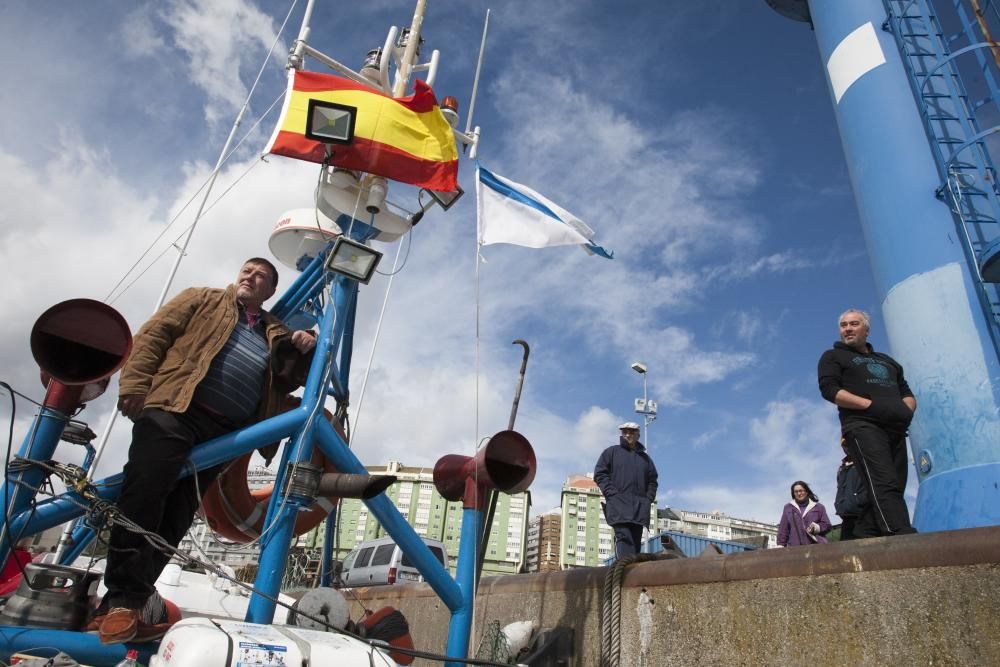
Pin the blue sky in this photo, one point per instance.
(697, 139)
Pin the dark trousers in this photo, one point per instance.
(881, 458)
(628, 538)
(847, 528)
(155, 499)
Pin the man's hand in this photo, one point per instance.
(304, 341)
(845, 399)
(131, 406)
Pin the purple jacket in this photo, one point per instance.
(792, 529)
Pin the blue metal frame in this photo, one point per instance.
(328, 374)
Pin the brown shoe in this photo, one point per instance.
(145, 632)
(119, 626)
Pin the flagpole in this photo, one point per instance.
(475, 80)
(409, 54)
(478, 545)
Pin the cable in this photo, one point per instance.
(252, 166)
(375, 339)
(225, 158)
(409, 245)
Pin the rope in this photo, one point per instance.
(611, 605)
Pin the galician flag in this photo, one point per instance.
(405, 139)
(513, 213)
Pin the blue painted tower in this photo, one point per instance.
(926, 191)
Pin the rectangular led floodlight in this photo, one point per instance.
(352, 259)
(330, 123)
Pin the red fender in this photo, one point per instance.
(235, 512)
(389, 625)
(173, 611)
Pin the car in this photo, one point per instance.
(381, 562)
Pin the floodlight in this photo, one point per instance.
(639, 367)
(352, 259)
(330, 123)
(446, 199)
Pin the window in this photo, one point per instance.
(383, 554)
(363, 557)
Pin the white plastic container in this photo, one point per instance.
(203, 642)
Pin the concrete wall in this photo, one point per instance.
(920, 599)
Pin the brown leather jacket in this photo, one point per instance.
(174, 348)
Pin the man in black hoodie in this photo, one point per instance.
(876, 407)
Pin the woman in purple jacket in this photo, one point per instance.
(804, 520)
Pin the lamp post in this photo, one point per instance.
(644, 406)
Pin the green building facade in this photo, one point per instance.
(433, 517)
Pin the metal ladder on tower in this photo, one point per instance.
(958, 142)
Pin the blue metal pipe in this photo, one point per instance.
(282, 511)
(304, 284)
(59, 510)
(921, 271)
(465, 575)
(329, 536)
(39, 444)
(347, 346)
(273, 559)
(438, 578)
(85, 648)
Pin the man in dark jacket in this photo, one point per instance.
(852, 494)
(876, 407)
(628, 480)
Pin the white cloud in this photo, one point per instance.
(139, 35)
(708, 437)
(218, 37)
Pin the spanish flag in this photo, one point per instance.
(406, 139)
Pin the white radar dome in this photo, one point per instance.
(301, 232)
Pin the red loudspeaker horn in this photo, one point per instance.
(506, 463)
(81, 343)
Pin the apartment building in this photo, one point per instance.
(542, 551)
(715, 525)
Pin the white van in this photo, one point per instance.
(379, 562)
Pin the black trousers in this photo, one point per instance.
(628, 538)
(155, 499)
(881, 458)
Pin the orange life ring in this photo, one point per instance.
(235, 512)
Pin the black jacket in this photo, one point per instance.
(628, 480)
(871, 375)
(852, 495)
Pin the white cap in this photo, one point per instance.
(629, 425)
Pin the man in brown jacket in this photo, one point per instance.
(199, 368)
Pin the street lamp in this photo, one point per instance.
(644, 406)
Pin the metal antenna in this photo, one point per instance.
(479, 67)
